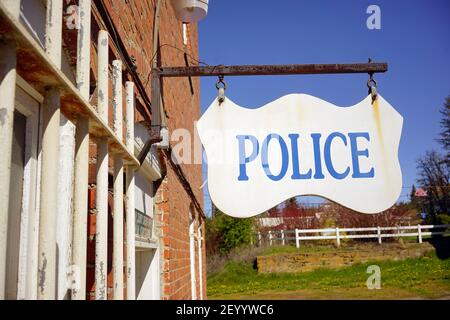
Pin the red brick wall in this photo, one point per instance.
(182, 108)
(134, 23)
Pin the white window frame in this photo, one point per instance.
(29, 220)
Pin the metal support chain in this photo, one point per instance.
(372, 85)
(221, 89)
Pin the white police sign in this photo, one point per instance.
(302, 145)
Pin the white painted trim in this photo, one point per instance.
(25, 86)
(118, 184)
(334, 234)
(150, 168)
(148, 278)
(47, 254)
(101, 237)
(144, 246)
(7, 94)
(65, 203)
(80, 156)
(192, 259)
(130, 196)
(29, 213)
(33, 240)
(200, 261)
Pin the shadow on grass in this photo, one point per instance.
(441, 245)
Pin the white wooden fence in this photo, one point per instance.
(337, 234)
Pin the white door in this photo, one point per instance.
(147, 275)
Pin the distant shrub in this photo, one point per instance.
(443, 218)
(225, 233)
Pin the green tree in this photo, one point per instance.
(225, 233)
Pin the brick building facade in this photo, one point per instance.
(169, 256)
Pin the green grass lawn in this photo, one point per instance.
(426, 277)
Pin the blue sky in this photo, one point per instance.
(414, 39)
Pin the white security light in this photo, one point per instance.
(190, 10)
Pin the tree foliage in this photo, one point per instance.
(399, 214)
(434, 177)
(225, 233)
(444, 137)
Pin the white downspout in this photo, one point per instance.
(118, 184)
(192, 259)
(200, 261)
(130, 203)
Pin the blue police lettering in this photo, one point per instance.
(320, 152)
(243, 159)
(265, 157)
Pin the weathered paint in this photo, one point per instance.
(101, 237)
(50, 157)
(118, 184)
(259, 70)
(37, 69)
(131, 232)
(130, 200)
(48, 196)
(7, 92)
(83, 48)
(117, 99)
(102, 81)
(64, 236)
(65, 192)
(101, 233)
(118, 229)
(80, 204)
(53, 31)
(75, 105)
(129, 115)
(82, 153)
